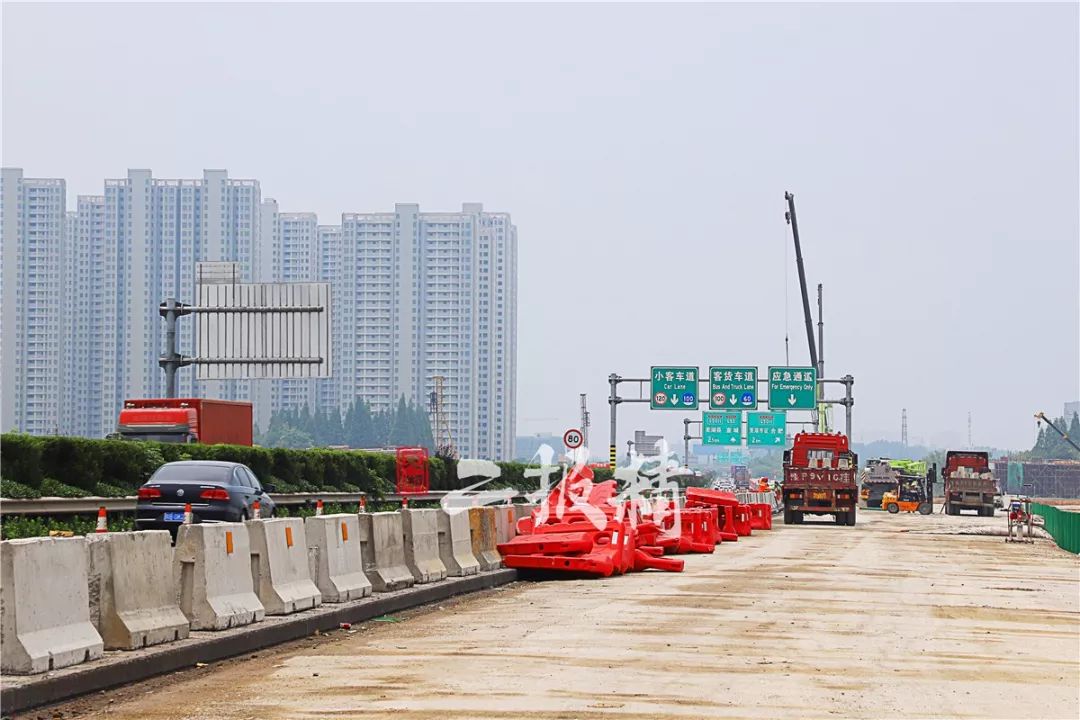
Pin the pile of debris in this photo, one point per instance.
(583, 528)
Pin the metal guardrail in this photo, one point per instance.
(90, 505)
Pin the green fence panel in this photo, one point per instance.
(1063, 526)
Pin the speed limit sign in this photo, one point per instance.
(573, 438)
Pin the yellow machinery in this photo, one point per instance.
(908, 497)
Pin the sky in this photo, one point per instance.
(643, 152)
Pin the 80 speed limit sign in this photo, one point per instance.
(573, 438)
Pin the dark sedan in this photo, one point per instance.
(217, 492)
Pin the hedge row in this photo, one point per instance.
(91, 464)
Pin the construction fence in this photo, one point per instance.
(1063, 526)
(1047, 478)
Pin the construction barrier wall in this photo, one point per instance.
(384, 556)
(44, 606)
(212, 567)
(336, 556)
(455, 544)
(1046, 479)
(132, 589)
(279, 566)
(1063, 526)
(421, 535)
(483, 531)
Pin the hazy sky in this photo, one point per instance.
(643, 151)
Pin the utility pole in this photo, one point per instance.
(823, 421)
(903, 427)
(970, 445)
(584, 420)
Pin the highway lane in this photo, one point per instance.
(897, 617)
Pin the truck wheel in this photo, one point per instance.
(841, 518)
(893, 508)
(851, 518)
(926, 508)
(789, 518)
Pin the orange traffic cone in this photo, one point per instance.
(256, 514)
(102, 523)
(318, 507)
(189, 517)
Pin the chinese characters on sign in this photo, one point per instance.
(732, 387)
(766, 428)
(673, 388)
(792, 388)
(721, 428)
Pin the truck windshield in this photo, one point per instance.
(184, 473)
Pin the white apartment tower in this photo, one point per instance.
(32, 238)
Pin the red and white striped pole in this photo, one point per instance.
(363, 503)
(405, 503)
(102, 522)
(318, 507)
(256, 514)
(189, 517)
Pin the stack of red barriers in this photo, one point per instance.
(583, 530)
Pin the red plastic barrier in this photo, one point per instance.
(742, 520)
(550, 543)
(645, 561)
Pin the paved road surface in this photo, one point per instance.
(881, 620)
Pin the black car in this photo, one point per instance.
(217, 492)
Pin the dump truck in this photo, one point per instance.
(819, 478)
(186, 420)
(968, 482)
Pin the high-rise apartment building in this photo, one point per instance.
(32, 237)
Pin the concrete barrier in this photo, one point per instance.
(212, 567)
(421, 533)
(335, 557)
(505, 523)
(523, 510)
(132, 589)
(44, 605)
(384, 559)
(483, 533)
(455, 544)
(279, 566)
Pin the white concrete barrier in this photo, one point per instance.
(279, 566)
(44, 605)
(384, 559)
(482, 531)
(335, 557)
(132, 589)
(505, 523)
(212, 567)
(455, 544)
(421, 533)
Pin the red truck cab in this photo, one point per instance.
(186, 420)
(819, 478)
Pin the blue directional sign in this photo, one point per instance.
(673, 388)
(732, 387)
(766, 428)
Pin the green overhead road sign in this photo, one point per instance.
(732, 387)
(673, 388)
(792, 388)
(766, 428)
(721, 428)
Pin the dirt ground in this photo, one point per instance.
(898, 617)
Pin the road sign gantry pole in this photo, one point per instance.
(614, 400)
